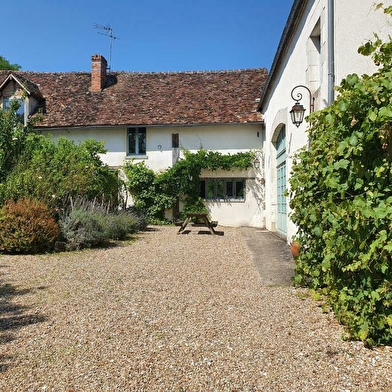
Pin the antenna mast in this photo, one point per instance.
(109, 33)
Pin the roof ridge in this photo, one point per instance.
(21, 71)
(192, 72)
(140, 72)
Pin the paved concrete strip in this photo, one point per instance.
(271, 256)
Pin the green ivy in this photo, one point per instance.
(341, 197)
(153, 193)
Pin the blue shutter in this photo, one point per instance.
(281, 182)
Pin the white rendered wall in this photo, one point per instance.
(276, 110)
(114, 141)
(223, 138)
(355, 22)
(247, 212)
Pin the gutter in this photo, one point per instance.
(296, 12)
(331, 52)
(122, 126)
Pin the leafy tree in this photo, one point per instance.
(341, 197)
(13, 135)
(5, 64)
(56, 173)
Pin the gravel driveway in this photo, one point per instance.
(170, 312)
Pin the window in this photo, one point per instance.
(222, 189)
(137, 141)
(175, 140)
(175, 147)
(6, 103)
(20, 111)
(314, 70)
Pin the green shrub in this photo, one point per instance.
(82, 229)
(90, 224)
(27, 226)
(57, 173)
(120, 224)
(13, 135)
(342, 202)
(140, 218)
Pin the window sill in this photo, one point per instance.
(224, 200)
(130, 157)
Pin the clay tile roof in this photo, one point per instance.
(131, 98)
(29, 86)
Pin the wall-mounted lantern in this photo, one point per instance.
(256, 163)
(297, 112)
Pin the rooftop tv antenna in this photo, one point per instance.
(108, 31)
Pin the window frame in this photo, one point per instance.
(219, 187)
(7, 101)
(175, 140)
(137, 131)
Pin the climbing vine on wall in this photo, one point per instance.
(341, 197)
(153, 193)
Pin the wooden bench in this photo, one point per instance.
(201, 220)
(212, 224)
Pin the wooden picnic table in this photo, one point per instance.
(202, 220)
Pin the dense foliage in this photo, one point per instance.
(13, 135)
(5, 64)
(341, 197)
(89, 224)
(153, 193)
(27, 226)
(55, 173)
(40, 179)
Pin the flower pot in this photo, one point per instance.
(295, 247)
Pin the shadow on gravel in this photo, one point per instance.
(13, 317)
(149, 228)
(203, 232)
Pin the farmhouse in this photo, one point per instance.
(152, 117)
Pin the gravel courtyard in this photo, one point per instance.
(170, 312)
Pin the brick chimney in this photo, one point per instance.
(98, 72)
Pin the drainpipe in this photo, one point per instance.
(331, 52)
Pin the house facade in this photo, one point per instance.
(152, 118)
(318, 48)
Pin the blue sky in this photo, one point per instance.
(153, 35)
